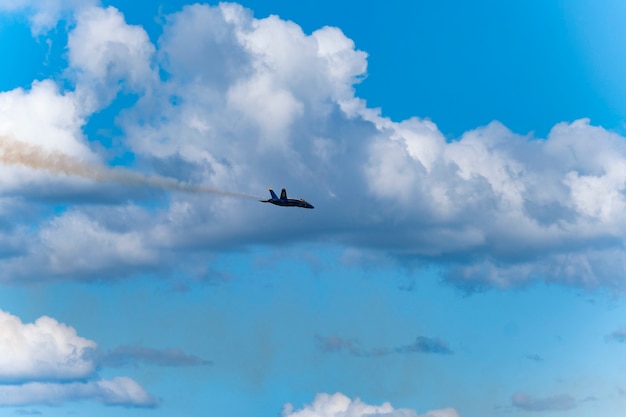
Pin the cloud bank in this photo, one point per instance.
(232, 102)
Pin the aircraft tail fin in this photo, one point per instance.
(273, 194)
(283, 194)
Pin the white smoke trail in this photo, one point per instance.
(14, 152)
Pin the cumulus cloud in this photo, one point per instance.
(50, 120)
(525, 402)
(502, 208)
(104, 53)
(244, 103)
(45, 350)
(59, 121)
(339, 405)
(46, 362)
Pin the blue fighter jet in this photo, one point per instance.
(286, 202)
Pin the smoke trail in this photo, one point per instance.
(19, 153)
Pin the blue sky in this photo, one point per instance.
(465, 257)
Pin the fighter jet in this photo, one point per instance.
(286, 202)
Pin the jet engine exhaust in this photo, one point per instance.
(14, 152)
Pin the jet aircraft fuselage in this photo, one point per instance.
(287, 202)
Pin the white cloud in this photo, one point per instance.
(199, 45)
(345, 65)
(117, 391)
(339, 405)
(50, 120)
(533, 207)
(105, 52)
(244, 82)
(45, 14)
(43, 350)
(270, 108)
(58, 120)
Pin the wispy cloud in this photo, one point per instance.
(534, 357)
(335, 343)
(133, 355)
(426, 345)
(525, 402)
(618, 335)
(24, 412)
(422, 344)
